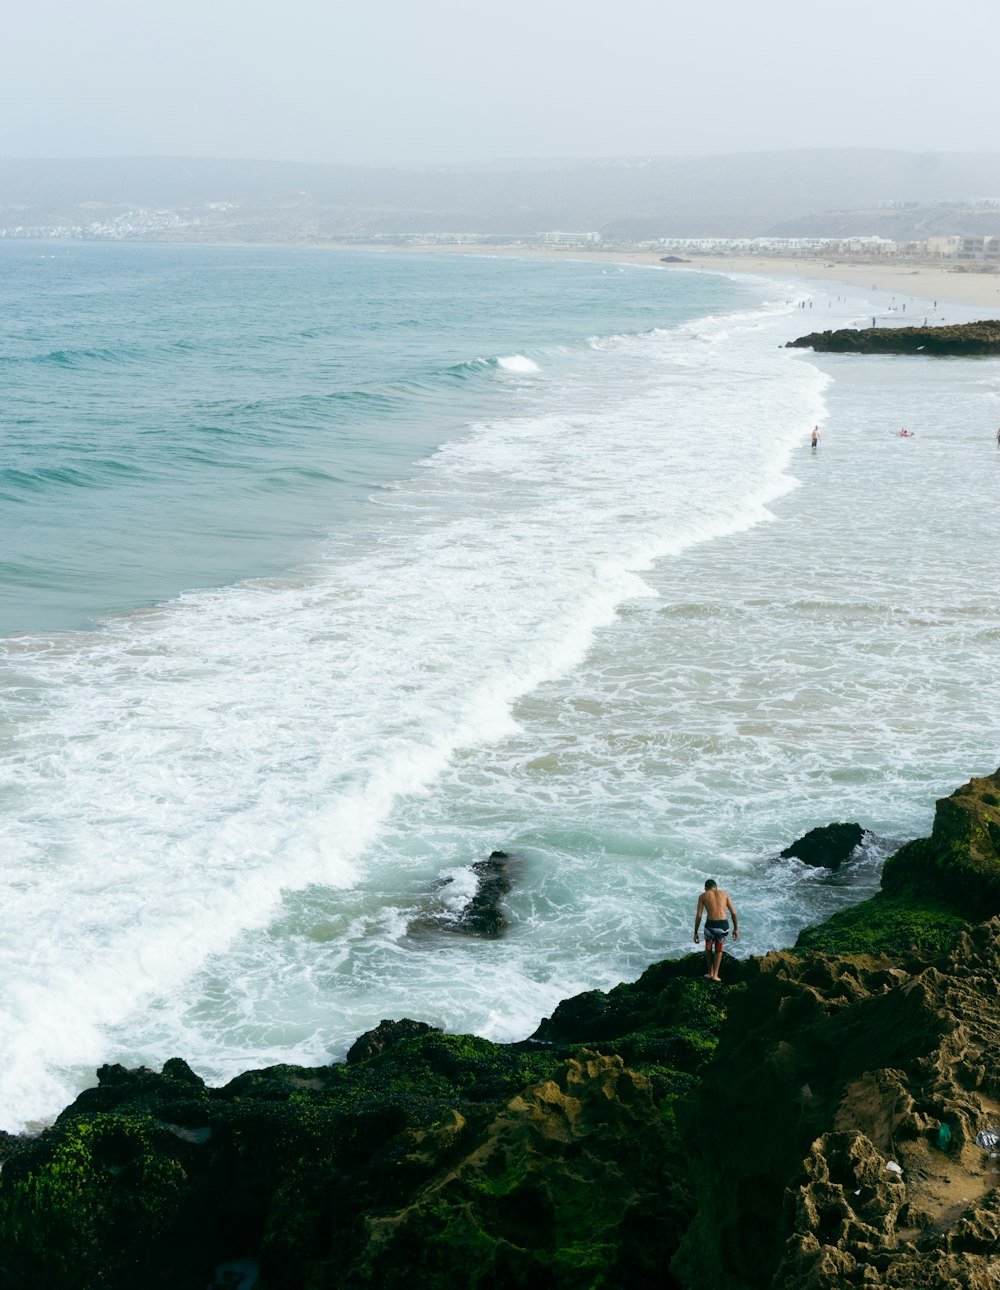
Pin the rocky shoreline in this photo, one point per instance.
(812, 1122)
(960, 340)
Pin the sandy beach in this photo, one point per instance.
(903, 279)
(928, 280)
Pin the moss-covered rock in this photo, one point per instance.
(154, 1178)
(82, 1204)
(887, 925)
(931, 887)
(570, 1186)
(746, 1118)
(960, 862)
(671, 993)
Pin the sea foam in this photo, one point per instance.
(182, 771)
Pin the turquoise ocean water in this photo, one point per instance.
(323, 574)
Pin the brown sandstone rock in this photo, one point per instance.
(827, 1071)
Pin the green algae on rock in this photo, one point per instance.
(160, 1178)
(960, 861)
(888, 925)
(931, 887)
(812, 1122)
(571, 1185)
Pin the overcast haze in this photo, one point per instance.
(443, 81)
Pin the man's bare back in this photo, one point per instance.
(716, 903)
(716, 907)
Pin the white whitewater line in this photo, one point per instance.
(517, 363)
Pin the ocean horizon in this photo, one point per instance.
(327, 573)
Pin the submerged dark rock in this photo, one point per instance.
(959, 340)
(826, 847)
(483, 915)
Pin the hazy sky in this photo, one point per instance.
(400, 81)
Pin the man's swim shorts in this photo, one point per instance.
(716, 930)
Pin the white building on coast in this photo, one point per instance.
(868, 245)
(972, 249)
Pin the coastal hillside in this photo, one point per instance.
(628, 198)
(828, 1117)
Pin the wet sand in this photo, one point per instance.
(900, 279)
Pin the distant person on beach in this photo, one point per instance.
(814, 437)
(998, 436)
(716, 906)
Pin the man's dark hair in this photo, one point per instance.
(710, 883)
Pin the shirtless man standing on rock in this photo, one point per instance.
(716, 906)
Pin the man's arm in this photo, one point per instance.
(736, 924)
(697, 916)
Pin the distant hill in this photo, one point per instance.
(823, 192)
